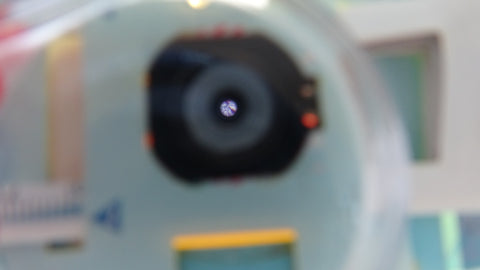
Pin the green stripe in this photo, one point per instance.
(451, 238)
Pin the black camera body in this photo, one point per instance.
(228, 106)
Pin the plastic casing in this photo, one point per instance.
(345, 195)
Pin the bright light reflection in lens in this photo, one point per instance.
(228, 108)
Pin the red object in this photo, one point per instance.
(238, 32)
(9, 30)
(236, 180)
(148, 140)
(220, 32)
(310, 120)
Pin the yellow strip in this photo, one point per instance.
(234, 239)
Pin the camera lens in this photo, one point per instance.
(225, 86)
(228, 108)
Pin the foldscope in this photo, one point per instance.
(192, 135)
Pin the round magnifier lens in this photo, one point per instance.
(228, 108)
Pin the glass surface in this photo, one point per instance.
(73, 114)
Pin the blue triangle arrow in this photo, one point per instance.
(111, 216)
